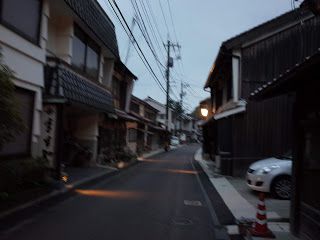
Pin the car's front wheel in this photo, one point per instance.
(281, 187)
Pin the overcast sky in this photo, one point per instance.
(200, 28)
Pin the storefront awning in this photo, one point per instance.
(61, 83)
(126, 116)
(157, 128)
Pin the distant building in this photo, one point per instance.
(115, 132)
(145, 134)
(161, 116)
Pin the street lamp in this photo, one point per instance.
(204, 112)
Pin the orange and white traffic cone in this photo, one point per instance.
(260, 227)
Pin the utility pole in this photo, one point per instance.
(182, 94)
(168, 83)
(168, 46)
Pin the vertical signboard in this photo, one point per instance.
(49, 123)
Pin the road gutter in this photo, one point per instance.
(219, 231)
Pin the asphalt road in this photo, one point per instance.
(161, 198)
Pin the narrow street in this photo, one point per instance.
(161, 198)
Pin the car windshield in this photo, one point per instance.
(285, 156)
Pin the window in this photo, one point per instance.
(23, 17)
(20, 146)
(85, 53)
(78, 53)
(135, 108)
(162, 116)
(132, 135)
(150, 115)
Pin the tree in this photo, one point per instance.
(11, 123)
(196, 113)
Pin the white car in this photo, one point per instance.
(271, 175)
(174, 141)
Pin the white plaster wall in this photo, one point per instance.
(60, 35)
(107, 72)
(141, 110)
(24, 67)
(162, 110)
(101, 66)
(129, 93)
(87, 131)
(236, 75)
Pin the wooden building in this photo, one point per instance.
(246, 131)
(114, 132)
(302, 80)
(146, 134)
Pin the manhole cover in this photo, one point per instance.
(195, 203)
(182, 221)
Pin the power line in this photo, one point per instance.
(171, 16)
(151, 26)
(143, 57)
(164, 18)
(146, 36)
(155, 21)
(145, 33)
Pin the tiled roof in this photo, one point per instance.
(143, 102)
(291, 17)
(120, 67)
(126, 116)
(91, 13)
(284, 76)
(263, 30)
(62, 83)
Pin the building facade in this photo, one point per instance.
(114, 132)
(146, 134)
(301, 79)
(245, 131)
(80, 51)
(23, 41)
(161, 116)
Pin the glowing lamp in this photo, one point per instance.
(204, 112)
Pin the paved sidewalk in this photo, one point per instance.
(242, 201)
(77, 177)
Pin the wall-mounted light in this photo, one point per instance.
(204, 112)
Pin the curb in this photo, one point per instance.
(233, 229)
(148, 155)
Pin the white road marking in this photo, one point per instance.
(194, 203)
(233, 229)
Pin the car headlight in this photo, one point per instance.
(266, 170)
